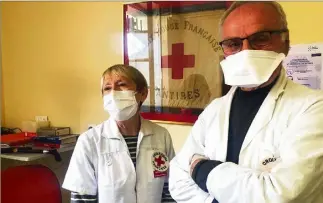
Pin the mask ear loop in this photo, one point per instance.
(140, 102)
(285, 39)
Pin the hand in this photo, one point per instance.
(195, 160)
(194, 164)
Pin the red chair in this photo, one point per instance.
(30, 184)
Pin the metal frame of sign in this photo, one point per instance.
(173, 115)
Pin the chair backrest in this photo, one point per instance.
(30, 184)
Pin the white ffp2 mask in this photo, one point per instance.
(121, 105)
(250, 68)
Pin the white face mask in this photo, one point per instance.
(250, 68)
(121, 105)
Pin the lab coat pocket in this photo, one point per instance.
(117, 193)
(117, 169)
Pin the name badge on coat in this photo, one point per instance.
(270, 158)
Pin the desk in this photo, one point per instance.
(33, 156)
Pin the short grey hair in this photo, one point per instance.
(129, 72)
(274, 4)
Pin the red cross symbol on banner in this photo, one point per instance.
(159, 161)
(178, 61)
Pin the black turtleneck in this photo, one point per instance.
(244, 107)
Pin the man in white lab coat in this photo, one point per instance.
(263, 141)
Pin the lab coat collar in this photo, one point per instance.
(280, 85)
(111, 130)
(267, 109)
(266, 112)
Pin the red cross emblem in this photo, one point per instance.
(159, 161)
(178, 61)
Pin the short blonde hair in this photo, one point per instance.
(274, 4)
(129, 72)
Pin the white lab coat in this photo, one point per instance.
(281, 159)
(101, 164)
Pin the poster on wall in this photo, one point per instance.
(176, 47)
(304, 65)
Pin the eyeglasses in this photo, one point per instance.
(258, 41)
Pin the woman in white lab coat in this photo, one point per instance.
(124, 159)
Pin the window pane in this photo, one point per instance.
(143, 67)
(137, 45)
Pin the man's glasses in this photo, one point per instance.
(258, 41)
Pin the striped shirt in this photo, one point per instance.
(131, 142)
(166, 197)
(82, 198)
